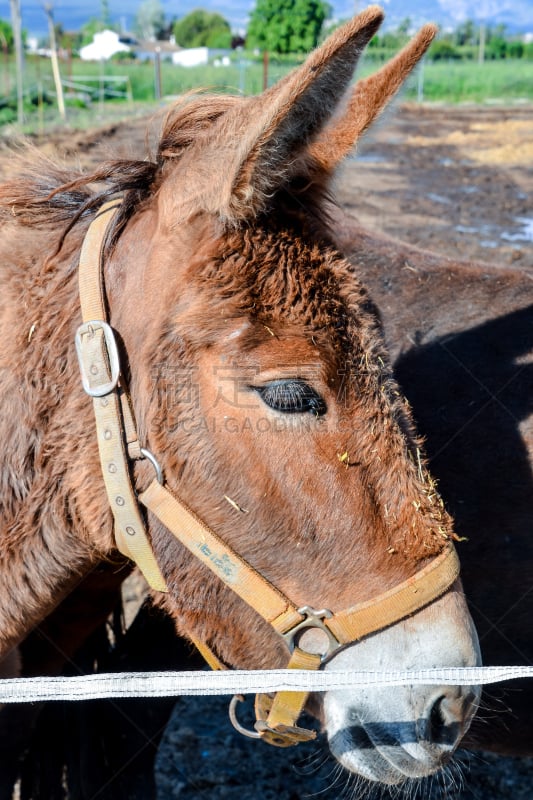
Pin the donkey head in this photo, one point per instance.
(260, 380)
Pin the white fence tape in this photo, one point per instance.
(173, 684)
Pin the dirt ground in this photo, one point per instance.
(455, 180)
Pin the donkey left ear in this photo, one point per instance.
(368, 99)
(253, 146)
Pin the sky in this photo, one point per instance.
(516, 14)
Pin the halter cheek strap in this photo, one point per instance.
(116, 434)
(118, 445)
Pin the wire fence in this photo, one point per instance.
(230, 682)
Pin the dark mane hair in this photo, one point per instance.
(44, 193)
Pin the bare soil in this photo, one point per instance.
(455, 180)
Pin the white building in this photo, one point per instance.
(196, 56)
(104, 45)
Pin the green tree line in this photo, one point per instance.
(462, 43)
(286, 27)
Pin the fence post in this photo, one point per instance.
(265, 70)
(55, 62)
(101, 87)
(242, 75)
(17, 35)
(420, 86)
(157, 73)
(40, 106)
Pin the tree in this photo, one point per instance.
(92, 26)
(497, 47)
(203, 28)
(442, 50)
(6, 36)
(67, 40)
(405, 26)
(150, 20)
(465, 33)
(287, 26)
(106, 16)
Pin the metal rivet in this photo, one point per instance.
(112, 467)
(119, 500)
(94, 369)
(130, 530)
(107, 434)
(104, 401)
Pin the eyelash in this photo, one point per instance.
(292, 397)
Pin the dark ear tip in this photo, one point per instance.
(369, 19)
(373, 12)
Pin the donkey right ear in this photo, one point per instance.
(368, 99)
(253, 147)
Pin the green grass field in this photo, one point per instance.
(467, 81)
(505, 81)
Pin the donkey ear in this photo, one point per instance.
(259, 140)
(368, 99)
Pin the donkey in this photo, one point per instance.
(227, 344)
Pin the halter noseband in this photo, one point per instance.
(119, 445)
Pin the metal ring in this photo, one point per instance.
(238, 698)
(155, 464)
(313, 618)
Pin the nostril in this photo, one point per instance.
(436, 720)
(445, 721)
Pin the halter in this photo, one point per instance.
(119, 446)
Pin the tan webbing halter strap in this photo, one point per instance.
(118, 443)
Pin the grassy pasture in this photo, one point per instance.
(503, 81)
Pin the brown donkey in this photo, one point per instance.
(259, 386)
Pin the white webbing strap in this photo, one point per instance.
(230, 682)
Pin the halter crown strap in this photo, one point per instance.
(118, 443)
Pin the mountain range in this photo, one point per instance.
(517, 15)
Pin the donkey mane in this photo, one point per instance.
(44, 193)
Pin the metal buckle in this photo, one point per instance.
(284, 736)
(313, 619)
(85, 334)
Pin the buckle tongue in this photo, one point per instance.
(98, 358)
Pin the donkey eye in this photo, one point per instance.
(291, 397)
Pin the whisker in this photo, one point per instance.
(312, 763)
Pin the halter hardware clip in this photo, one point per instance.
(324, 645)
